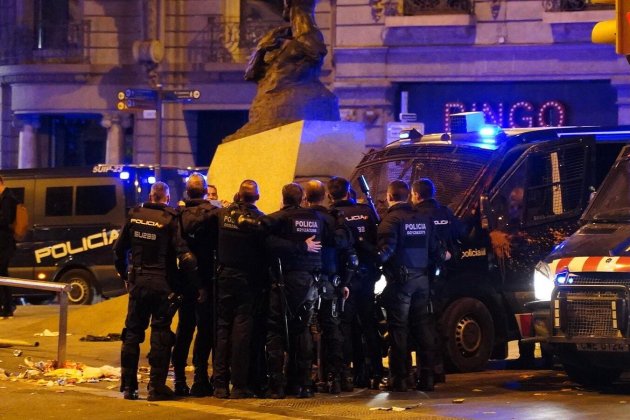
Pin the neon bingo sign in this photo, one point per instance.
(519, 114)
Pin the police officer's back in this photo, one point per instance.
(333, 289)
(152, 234)
(407, 246)
(241, 279)
(295, 240)
(361, 340)
(447, 227)
(198, 224)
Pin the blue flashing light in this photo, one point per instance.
(488, 133)
(561, 277)
(151, 180)
(124, 175)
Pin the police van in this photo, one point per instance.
(518, 192)
(583, 310)
(75, 215)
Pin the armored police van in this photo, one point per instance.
(583, 310)
(74, 218)
(518, 193)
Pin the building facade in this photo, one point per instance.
(64, 62)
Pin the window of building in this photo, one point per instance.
(95, 200)
(51, 24)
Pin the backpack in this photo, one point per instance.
(20, 225)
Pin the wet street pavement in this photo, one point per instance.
(500, 392)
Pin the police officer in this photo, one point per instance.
(333, 289)
(295, 239)
(241, 278)
(407, 246)
(198, 223)
(153, 235)
(8, 205)
(358, 323)
(448, 231)
(448, 228)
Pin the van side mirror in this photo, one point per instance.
(484, 207)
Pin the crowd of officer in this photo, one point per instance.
(270, 296)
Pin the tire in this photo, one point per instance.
(82, 286)
(469, 335)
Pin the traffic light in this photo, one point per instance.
(121, 105)
(615, 31)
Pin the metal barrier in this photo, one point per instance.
(62, 290)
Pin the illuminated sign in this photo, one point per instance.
(521, 114)
(63, 249)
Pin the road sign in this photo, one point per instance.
(180, 95)
(143, 94)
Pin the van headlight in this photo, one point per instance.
(543, 281)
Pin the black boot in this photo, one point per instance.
(201, 386)
(333, 383)
(158, 391)
(129, 372)
(426, 381)
(181, 387)
(276, 387)
(129, 384)
(347, 383)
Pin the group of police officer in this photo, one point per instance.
(269, 294)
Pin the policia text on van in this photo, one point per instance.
(76, 214)
(518, 192)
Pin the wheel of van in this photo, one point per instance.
(81, 286)
(469, 338)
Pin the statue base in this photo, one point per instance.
(299, 151)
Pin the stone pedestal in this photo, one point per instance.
(298, 151)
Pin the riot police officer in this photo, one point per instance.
(295, 239)
(197, 217)
(448, 232)
(448, 228)
(407, 246)
(241, 280)
(358, 323)
(333, 288)
(152, 234)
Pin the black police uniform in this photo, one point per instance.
(8, 205)
(447, 227)
(152, 234)
(198, 224)
(293, 294)
(448, 231)
(241, 275)
(407, 245)
(362, 346)
(335, 242)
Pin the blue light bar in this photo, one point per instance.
(124, 175)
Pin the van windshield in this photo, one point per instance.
(452, 175)
(612, 201)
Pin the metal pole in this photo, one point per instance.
(63, 328)
(158, 148)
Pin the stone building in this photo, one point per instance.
(64, 62)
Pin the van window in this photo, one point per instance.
(95, 200)
(59, 201)
(508, 204)
(556, 183)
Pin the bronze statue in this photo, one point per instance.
(286, 66)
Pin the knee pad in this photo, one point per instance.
(132, 336)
